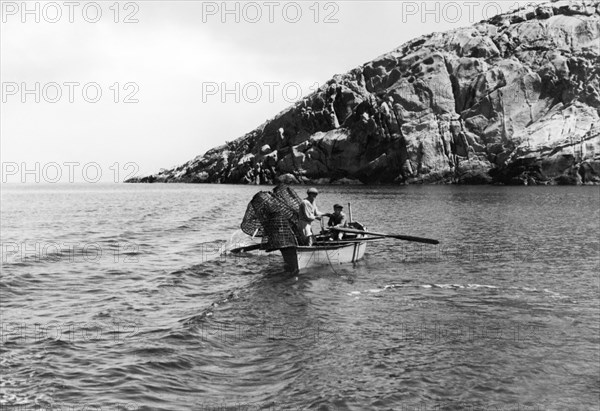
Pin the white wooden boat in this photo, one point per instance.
(323, 253)
(349, 249)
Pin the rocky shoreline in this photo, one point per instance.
(511, 100)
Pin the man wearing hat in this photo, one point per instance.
(337, 219)
(308, 213)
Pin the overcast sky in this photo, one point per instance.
(162, 69)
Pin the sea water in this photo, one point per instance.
(119, 297)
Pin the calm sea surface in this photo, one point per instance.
(118, 297)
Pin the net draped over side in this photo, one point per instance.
(273, 215)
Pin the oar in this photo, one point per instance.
(354, 240)
(247, 248)
(399, 237)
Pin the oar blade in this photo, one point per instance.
(246, 248)
(415, 239)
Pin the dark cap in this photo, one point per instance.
(312, 190)
(338, 206)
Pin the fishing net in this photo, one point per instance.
(289, 197)
(273, 215)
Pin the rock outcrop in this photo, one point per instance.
(513, 100)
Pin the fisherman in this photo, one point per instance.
(337, 219)
(307, 214)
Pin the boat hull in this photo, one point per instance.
(300, 258)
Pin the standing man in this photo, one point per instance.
(307, 214)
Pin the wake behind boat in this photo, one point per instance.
(273, 216)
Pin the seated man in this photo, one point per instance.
(337, 219)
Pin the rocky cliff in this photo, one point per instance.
(514, 100)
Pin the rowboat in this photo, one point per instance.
(324, 253)
(274, 217)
